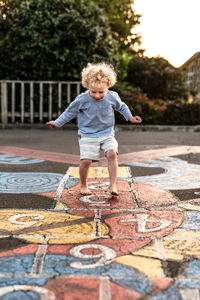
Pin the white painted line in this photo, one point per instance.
(160, 249)
(104, 289)
(62, 185)
(187, 293)
(39, 260)
(44, 293)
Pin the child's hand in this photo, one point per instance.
(135, 119)
(51, 124)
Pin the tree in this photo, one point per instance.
(52, 40)
(157, 78)
(122, 19)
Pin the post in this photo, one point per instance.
(4, 103)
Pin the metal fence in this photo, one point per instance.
(35, 101)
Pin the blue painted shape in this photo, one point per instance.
(178, 175)
(193, 221)
(16, 264)
(189, 284)
(193, 268)
(171, 294)
(18, 160)
(120, 274)
(71, 182)
(31, 182)
(60, 264)
(5, 281)
(20, 295)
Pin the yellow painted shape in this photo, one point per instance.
(184, 234)
(176, 246)
(151, 252)
(189, 206)
(184, 243)
(100, 172)
(60, 205)
(58, 228)
(150, 267)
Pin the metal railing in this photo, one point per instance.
(35, 101)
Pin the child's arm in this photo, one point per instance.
(51, 124)
(123, 109)
(135, 119)
(66, 116)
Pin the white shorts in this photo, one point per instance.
(90, 147)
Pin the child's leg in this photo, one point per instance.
(111, 156)
(83, 172)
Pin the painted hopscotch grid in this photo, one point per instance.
(160, 244)
(165, 245)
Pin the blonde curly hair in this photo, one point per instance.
(98, 73)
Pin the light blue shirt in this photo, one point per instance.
(95, 118)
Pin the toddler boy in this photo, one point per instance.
(95, 111)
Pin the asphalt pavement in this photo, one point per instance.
(59, 244)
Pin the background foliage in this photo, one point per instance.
(122, 19)
(52, 40)
(157, 78)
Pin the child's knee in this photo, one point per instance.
(86, 162)
(111, 154)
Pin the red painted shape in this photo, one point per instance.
(76, 200)
(73, 199)
(66, 288)
(58, 249)
(87, 288)
(40, 154)
(123, 246)
(101, 184)
(144, 224)
(162, 283)
(29, 249)
(91, 287)
(48, 194)
(154, 154)
(122, 158)
(151, 196)
(119, 293)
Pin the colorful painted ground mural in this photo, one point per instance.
(57, 244)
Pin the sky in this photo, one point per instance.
(169, 28)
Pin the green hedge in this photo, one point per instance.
(158, 111)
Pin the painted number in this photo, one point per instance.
(142, 219)
(14, 220)
(105, 256)
(88, 199)
(98, 185)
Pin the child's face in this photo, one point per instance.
(97, 91)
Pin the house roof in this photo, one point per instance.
(192, 58)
